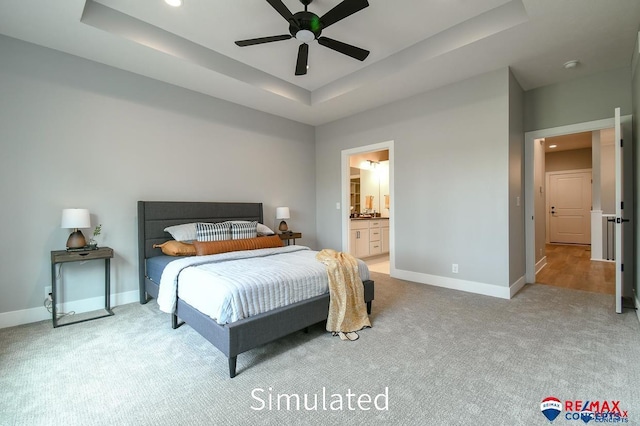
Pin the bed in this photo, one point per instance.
(236, 337)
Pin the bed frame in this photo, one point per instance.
(240, 336)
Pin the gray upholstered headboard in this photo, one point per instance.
(155, 216)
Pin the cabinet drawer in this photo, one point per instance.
(374, 234)
(375, 247)
(359, 224)
(375, 223)
(61, 256)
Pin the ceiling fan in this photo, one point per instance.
(306, 26)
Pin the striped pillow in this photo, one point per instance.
(213, 231)
(240, 231)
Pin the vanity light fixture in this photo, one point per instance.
(369, 165)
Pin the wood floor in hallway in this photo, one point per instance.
(571, 266)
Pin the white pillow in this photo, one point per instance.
(185, 232)
(264, 230)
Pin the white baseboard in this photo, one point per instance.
(517, 286)
(26, 316)
(455, 284)
(541, 264)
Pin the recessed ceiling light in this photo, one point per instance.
(553, 146)
(571, 64)
(174, 3)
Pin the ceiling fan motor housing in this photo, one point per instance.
(306, 27)
(306, 21)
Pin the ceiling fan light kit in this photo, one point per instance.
(305, 36)
(306, 27)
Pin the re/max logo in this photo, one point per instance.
(595, 407)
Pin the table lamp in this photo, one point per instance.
(283, 213)
(75, 219)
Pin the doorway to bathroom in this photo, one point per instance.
(367, 197)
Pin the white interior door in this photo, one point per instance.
(570, 207)
(619, 210)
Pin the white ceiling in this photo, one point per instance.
(416, 45)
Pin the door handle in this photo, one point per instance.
(620, 220)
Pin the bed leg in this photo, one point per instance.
(369, 308)
(143, 297)
(232, 366)
(174, 321)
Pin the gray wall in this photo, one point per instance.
(516, 181)
(75, 133)
(635, 90)
(451, 148)
(578, 101)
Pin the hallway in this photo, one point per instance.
(570, 266)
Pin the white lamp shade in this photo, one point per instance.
(282, 213)
(75, 218)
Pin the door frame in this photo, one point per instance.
(346, 195)
(547, 202)
(529, 168)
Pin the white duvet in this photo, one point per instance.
(231, 286)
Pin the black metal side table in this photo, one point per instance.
(65, 256)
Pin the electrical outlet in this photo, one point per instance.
(47, 292)
(454, 268)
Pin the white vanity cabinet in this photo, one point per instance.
(368, 237)
(375, 237)
(384, 235)
(359, 238)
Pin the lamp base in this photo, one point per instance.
(76, 240)
(283, 227)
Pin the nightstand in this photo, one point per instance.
(65, 256)
(289, 236)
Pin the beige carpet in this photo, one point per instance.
(446, 358)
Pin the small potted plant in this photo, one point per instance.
(93, 244)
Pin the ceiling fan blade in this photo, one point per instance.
(251, 42)
(303, 57)
(281, 9)
(344, 48)
(342, 10)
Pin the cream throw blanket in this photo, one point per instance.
(347, 310)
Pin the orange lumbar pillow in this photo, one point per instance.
(176, 248)
(215, 247)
